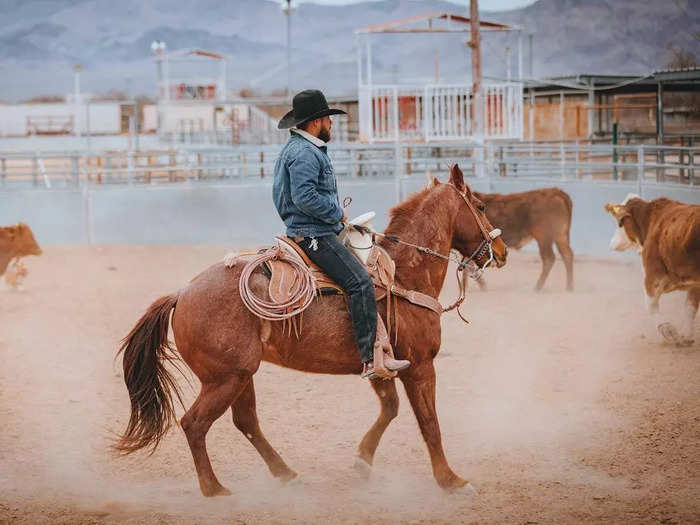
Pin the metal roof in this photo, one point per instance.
(685, 74)
(402, 25)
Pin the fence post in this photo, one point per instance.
(502, 168)
(691, 163)
(397, 170)
(130, 166)
(3, 171)
(35, 169)
(76, 174)
(640, 169)
(562, 159)
(576, 160)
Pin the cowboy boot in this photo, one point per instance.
(383, 349)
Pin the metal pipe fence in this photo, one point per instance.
(564, 161)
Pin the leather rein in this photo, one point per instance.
(475, 271)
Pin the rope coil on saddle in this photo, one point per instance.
(301, 296)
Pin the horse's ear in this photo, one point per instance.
(435, 181)
(457, 177)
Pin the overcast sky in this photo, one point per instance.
(486, 5)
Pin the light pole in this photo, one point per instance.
(288, 6)
(158, 47)
(76, 93)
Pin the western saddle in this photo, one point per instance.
(286, 261)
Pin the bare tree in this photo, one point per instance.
(681, 59)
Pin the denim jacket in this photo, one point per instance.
(305, 192)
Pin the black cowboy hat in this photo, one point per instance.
(308, 105)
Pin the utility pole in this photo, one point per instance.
(478, 119)
(475, 45)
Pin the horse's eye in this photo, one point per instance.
(481, 207)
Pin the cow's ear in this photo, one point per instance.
(619, 211)
(612, 208)
(457, 177)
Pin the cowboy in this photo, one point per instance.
(306, 197)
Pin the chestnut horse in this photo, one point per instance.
(223, 343)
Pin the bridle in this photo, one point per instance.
(475, 271)
(486, 245)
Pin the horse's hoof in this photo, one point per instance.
(219, 491)
(466, 490)
(669, 333)
(289, 477)
(293, 481)
(363, 468)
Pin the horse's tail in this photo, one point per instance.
(151, 386)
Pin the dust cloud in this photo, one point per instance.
(559, 407)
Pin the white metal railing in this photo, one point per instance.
(437, 112)
(503, 111)
(568, 161)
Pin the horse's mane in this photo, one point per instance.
(403, 214)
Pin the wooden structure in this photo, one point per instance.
(433, 111)
(660, 106)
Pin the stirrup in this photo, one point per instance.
(370, 372)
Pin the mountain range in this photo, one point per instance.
(41, 41)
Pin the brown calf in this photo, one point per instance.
(543, 215)
(15, 242)
(667, 233)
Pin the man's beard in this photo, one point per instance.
(324, 135)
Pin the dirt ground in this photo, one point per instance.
(559, 407)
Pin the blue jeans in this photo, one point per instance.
(346, 270)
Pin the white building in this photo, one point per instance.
(60, 118)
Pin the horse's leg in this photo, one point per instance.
(568, 256)
(419, 383)
(548, 258)
(212, 402)
(245, 418)
(389, 402)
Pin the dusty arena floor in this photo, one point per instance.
(559, 407)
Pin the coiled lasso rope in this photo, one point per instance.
(301, 295)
